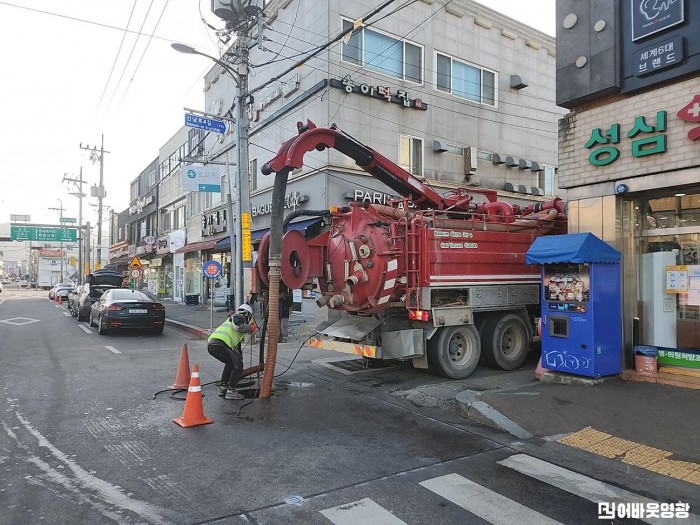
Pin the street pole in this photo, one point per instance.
(244, 260)
(99, 192)
(233, 263)
(79, 183)
(60, 213)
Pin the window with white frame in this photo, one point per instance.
(465, 80)
(411, 154)
(383, 53)
(546, 180)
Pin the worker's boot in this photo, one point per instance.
(232, 393)
(223, 387)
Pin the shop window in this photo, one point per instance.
(667, 236)
(465, 80)
(383, 53)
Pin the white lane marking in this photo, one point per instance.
(487, 504)
(112, 349)
(76, 481)
(583, 486)
(85, 329)
(362, 511)
(66, 314)
(2, 301)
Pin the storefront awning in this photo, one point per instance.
(298, 226)
(571, 248)
(196, 246)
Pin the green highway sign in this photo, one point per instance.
(68, 219)
(34, 233)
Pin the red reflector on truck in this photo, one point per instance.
(419, 315)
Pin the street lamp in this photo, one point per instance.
(241, 135)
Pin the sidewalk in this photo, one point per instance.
(652, 426)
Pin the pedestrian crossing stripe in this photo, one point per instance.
(496, 508)
(487, 504)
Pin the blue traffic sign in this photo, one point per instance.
(211, 270)
(209, 124)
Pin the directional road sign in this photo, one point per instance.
(210, 124)
(34, 233)
(201, 178)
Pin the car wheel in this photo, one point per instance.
(454, 351)
(158, 330)
(505, 341)
(80, 316)
(101, 328)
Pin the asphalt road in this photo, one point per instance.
(82, 440)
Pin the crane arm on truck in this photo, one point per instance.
(310, 137)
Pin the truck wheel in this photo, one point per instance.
(455, 352)
(505, 341)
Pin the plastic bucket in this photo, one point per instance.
(645, 364)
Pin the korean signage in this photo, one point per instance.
(32, 233)
(204, 178)
(649, 17)
(647, 139)
(381, 92)
(659, 56)
(691, 113)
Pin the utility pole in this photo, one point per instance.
(79, 184)
(60, 213)
(99, 192)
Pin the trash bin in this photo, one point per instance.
(192, 299)
(645, 360)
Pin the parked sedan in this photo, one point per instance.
(61, 290)
(126, 308)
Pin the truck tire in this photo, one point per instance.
(454, 352)
(505, 341)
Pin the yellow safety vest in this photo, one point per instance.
(226, 333)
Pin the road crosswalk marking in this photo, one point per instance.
(582, 486)
(495, 508)
(485, 503)
(362, 511)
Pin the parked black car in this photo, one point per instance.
(96, 283)
(73, 298)
(127, 308)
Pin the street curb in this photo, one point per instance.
(557, 378)
(469, 407)
(194, 330)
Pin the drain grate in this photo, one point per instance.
(358, 365)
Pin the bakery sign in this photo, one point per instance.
(382, 92)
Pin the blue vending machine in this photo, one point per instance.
(580, 304)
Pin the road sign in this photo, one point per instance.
(34, 233)
(20, 218)
(68, 219)
(210, 124)
(135, 264)
(135, 273)
(201, 178)
(211, 269)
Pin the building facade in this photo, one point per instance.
(629, 156)
(457, 94)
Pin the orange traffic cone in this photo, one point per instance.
(193, 413)
(60, 300)
(182, 379)
(540, 369)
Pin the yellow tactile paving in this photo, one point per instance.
(612, 447)
(674, 468)
(643, 456)
(585, 438)
(693, 477)
(650, 458)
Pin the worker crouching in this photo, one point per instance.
(224, 344)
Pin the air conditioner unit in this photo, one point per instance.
(469, 159)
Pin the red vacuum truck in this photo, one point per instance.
(440, 280)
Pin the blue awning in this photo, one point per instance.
(224, 245)
(571, 248)
(299, 226)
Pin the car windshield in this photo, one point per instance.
(129, 295)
